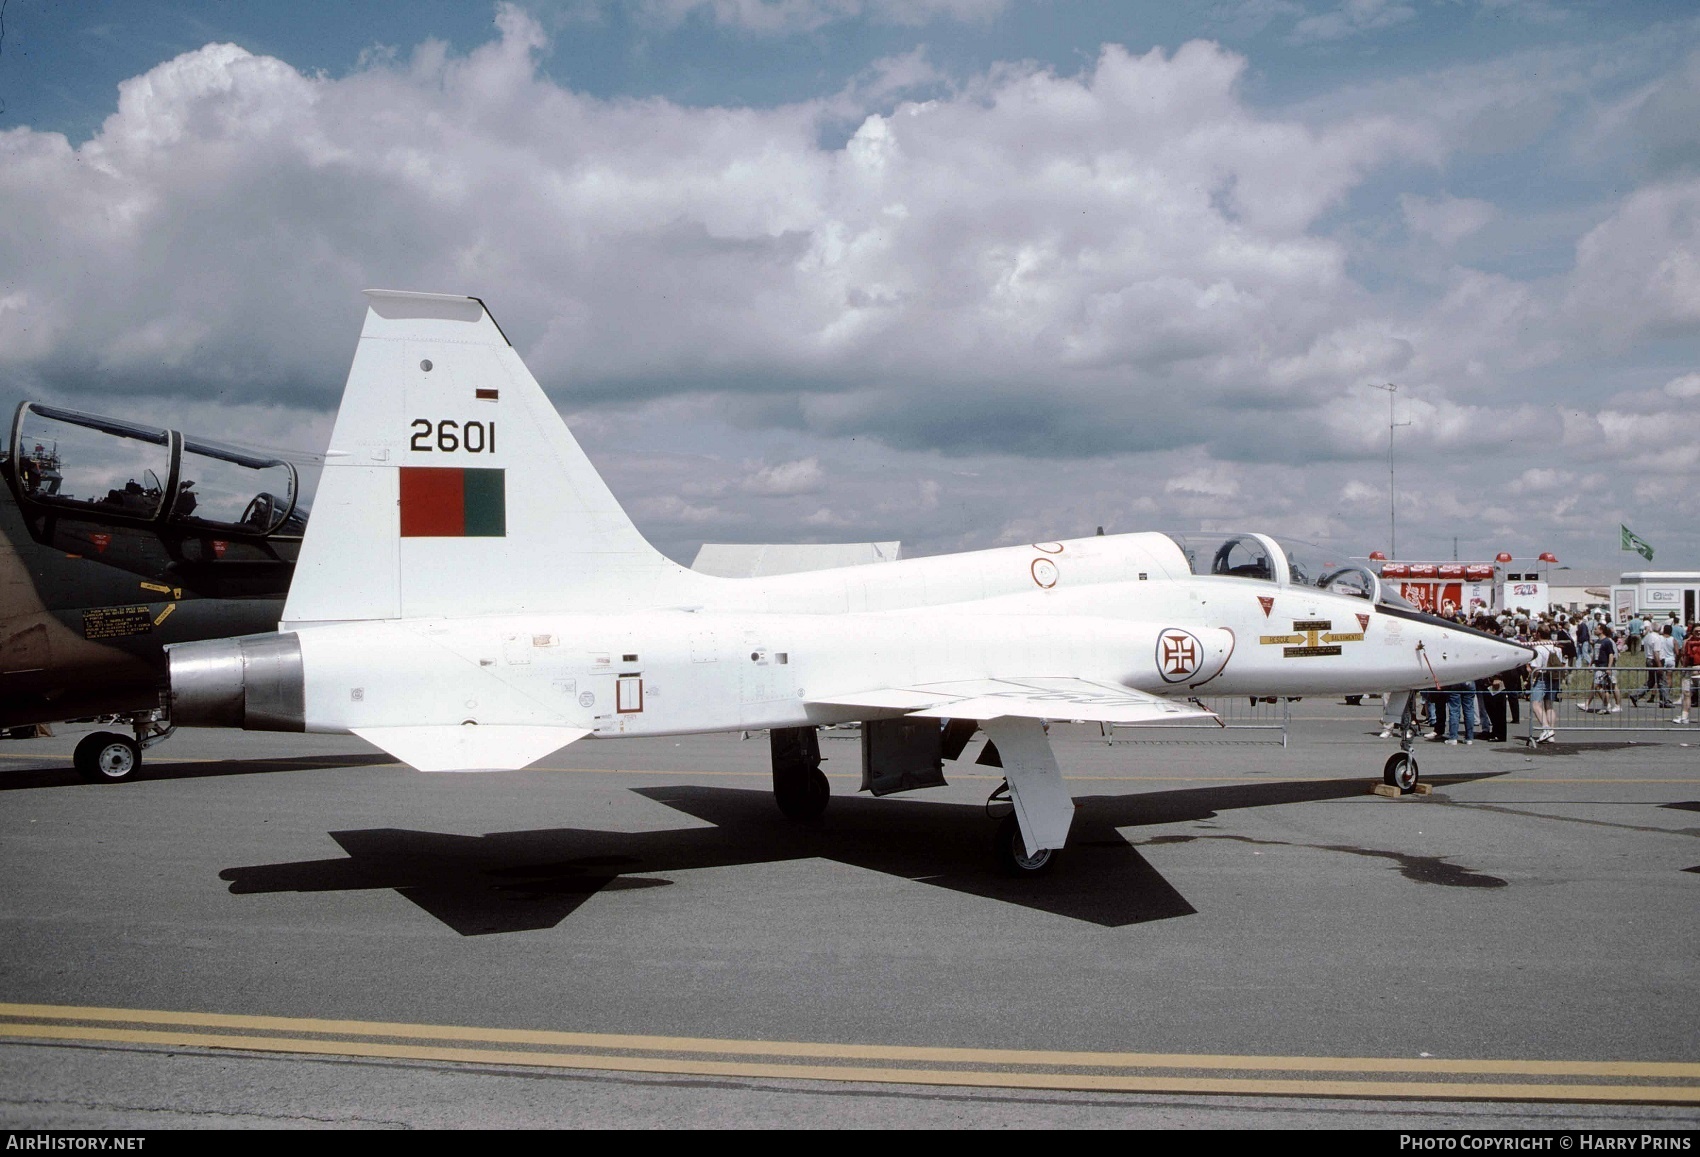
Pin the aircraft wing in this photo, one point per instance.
(470, 748)
(1039, 698)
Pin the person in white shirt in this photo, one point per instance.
(1546, 673)
(1659, 654)
(1605, 674)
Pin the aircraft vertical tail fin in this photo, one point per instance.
(453, 486)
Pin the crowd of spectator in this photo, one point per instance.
(1563, 642)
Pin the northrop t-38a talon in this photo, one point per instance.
(470, 596)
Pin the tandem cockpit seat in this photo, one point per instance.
(1288, 562)
(1240, 555)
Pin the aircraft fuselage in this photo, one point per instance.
(724, 664)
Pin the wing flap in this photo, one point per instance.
(1037, 698)
(889, 699)
(470, 747)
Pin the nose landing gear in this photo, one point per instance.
(1400, 770)
(108, 757)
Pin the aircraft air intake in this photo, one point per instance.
(253, 682)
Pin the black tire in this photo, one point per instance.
(108, 757)
(802, 797)
(1400, 771)
(1010, 851)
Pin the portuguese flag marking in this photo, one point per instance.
(453, 502)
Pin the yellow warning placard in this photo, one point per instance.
(116, 622)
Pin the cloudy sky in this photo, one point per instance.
(960, 272)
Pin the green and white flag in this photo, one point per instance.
(1632, 541)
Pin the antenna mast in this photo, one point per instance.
(1392, 493)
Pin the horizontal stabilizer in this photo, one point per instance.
(1041, 698)
(470, 746)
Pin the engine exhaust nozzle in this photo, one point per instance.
(253, 682)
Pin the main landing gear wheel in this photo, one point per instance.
(1010, 850)
(802, 796)
(1401, 772)
(107, 757)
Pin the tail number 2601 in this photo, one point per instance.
(449, 436)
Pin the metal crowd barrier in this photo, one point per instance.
(1242, 719)
(1647, 698)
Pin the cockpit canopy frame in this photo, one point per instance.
(1289, 563)
(160, 498)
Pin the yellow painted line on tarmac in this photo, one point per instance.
(999, 1068)
(1091, 1082)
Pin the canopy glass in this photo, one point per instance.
(108, 468)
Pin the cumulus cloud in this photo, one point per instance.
(1212, 482)
(1351, 18)
(1639, 271)
(787, 479)
(1653, 123)
(1687, 386)
(772, 17)
(1104, 295)
(1445, 220)
(1105, 234)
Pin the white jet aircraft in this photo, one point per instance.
(470, 596)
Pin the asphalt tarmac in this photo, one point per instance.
(295, 930)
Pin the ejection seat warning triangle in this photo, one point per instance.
(453, 502)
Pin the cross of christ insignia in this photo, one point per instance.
(1178, 655)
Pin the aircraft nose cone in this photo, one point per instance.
(1502, 651)
(1460, 656)
(1521, 654)
(1501, 656)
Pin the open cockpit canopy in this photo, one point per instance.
(109, 469)
(1286, 562)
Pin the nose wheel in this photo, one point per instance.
(107, 757)
(1400, 771)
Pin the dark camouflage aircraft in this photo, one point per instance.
(116, 539)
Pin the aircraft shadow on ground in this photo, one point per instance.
(68, 777)
(530, 880)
